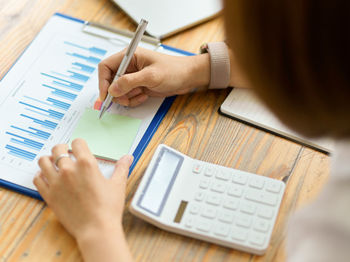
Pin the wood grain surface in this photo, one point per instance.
(29, 230)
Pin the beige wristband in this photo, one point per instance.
(219, 65)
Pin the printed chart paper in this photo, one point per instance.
(46, 92)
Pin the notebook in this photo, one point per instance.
(167, 17)
(242, 104)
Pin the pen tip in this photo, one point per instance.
(103, 109)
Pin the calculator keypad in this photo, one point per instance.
(231, 206)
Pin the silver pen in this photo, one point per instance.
(125, 62)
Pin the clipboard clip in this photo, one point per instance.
(111, 34)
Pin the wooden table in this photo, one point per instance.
(29, 230)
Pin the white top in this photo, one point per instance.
(321, 231)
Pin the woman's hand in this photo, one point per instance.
(152, 74)
(88, 205)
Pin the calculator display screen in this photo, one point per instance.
(160, 181)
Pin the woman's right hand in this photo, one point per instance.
(152, 74)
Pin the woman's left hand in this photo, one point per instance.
(88, 205)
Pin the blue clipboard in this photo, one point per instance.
(152, 128)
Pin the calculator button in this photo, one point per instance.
(265, 212)
(209, 213)
(273, 187)
(209, 171)
(226, 216)
(257, 239)
(261, 197)
(235, 191)
(194, 209)
(197, 168)
(261, 225)
(214, 200)
(244, 221)
(218, 187)
(223, 175)
(189, 222)
(199, 196)
(248, 208)
(240, 179)
(231, 203)
(239, 234)
(221, 230)
(256, 182)
(204, 226)
(204, 184)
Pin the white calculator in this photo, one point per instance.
(213, 203)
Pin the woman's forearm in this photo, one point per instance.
(104, 245)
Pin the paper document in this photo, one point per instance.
(46, 92)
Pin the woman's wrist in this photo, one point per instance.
(104, 244)
(199, 73)
(92, 235)
(89, 233)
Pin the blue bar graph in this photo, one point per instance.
(90, 59)
(37, 100)
(78, 76)
(93, 49)
(38, 133)
(84, 68)
(68, 84)
(74, 75)
(20, 153)
(25, 141)
(61, 93)
(59, 104)
(44, 123)
(44, 104)
(52, 102)
(51, 113)
(39, 113)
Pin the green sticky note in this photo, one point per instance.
(109, 137)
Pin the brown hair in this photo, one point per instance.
(296, 56)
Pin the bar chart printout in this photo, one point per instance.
(47, 90)
(40, 103)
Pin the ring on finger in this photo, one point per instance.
(58, 158)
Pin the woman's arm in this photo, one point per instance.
(104, 244)
(154, 74)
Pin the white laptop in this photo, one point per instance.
(167, 17)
